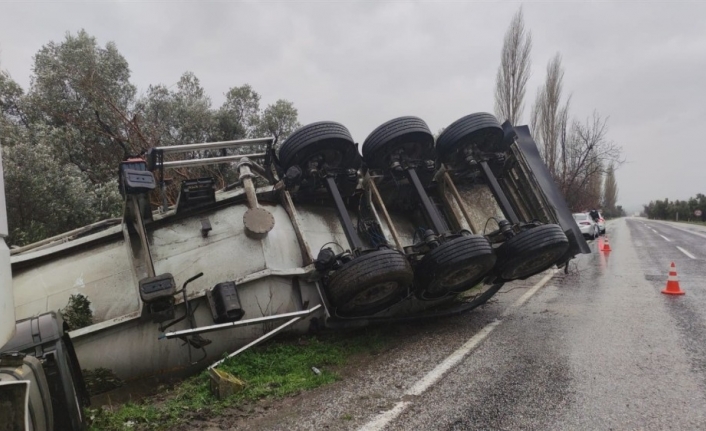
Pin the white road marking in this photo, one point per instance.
(668, 240)
(692, 232)
(383, 419)
(451, 361)
(687, 230)
(529, 293)
(686, 252)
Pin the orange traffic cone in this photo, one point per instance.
(673, 283)
(606, 245)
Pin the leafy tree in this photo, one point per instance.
(45, 196)
(155, 115)
(279, 120)
(239, 115)
(63, 140)
(77, 313)
(182, 116)
(59, 160)
(192, 111)
(84, 90)
(681, 210)
(11, 95)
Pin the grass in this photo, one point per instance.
(273, 370)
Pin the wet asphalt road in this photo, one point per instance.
(599, 348)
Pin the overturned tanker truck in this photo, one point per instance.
(312, 235)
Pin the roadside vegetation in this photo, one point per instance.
(63, 137)
(578, 152)
(677, 210)
(275, 370)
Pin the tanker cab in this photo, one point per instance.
(37, 361)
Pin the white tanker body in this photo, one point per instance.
(329, 240)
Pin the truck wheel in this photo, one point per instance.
(531, 252)
(481, 130)
(370, 283)
(454, 266)
(408, 134)
(328, 142)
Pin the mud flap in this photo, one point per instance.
(528, 148)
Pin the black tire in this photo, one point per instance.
(531, 252)
(410, 134)
(330, 140)
(481, 130)
(454, 266)
(370, 283)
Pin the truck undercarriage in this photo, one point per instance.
(316, 233)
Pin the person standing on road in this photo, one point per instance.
(594, 215)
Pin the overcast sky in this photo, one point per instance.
(641, 64)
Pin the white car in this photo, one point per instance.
(601, 225)
(588, 227)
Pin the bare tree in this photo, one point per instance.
(547, 114)
(591, 196)
(564, 136)
(514, 71)
(588, 153)
(610, 190)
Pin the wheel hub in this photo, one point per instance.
(453, 282)
(531, 265)
(373, 294)
(461, 276)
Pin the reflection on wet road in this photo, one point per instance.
(599, 348)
